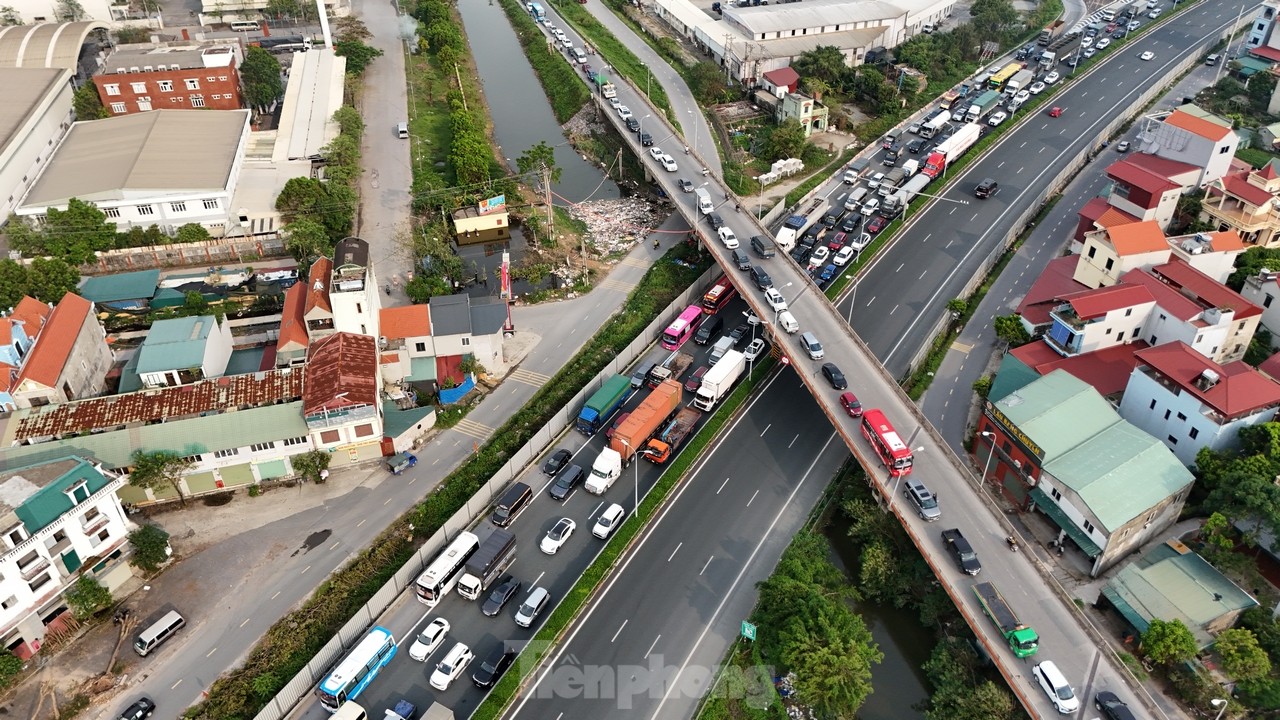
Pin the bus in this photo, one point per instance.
(682, 328)
(999, 79)
(357, 669)
(889, 446)
(718, 296)
(245, 25)
(442, 574)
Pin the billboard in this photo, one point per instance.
(493, 204)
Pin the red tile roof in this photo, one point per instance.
(1167, 297)
(1266, 53)
(1131, 173)
(341, 372)
(406, 321)
(33, 313)
(1240, 390)
(1114, 217)
(1271, 367)
(58, 338)
(1137, 238)
(1239, 186)
(784, 77)
(7, 374)
(1164, 167)
(318, 286)
(151, 406)
(1090, 304)
(1197, 126)
(293, 328)
(1053, 283)
(1107, 370)
(1208, 291)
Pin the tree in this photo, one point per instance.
(150, 547)
(76, 233)
(70, 11)
(349, 122)
(159, 470)
(87, 597)
(48, 279)
(825, 63)
(332, 205)
(982, 386)
(960, 690)
(9, 16)
(1251, 262)
(992, 17)
(307, 241)
(706, 80)
(1168, 643)
(423, 287)
(536, 157)
(1242, 657)
(785, 141)
(10, 666)
(311, 465)
(192, 233)
(1009, 329)
(350, 27)
(15, 281)
(86, 103)
(260, 78)
(358, 55)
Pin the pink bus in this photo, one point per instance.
(682, 328)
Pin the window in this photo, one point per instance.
(419, 347)
(17, 535)
(112, 88)
(11, 602)
(1241, 327)
(227, 453)
(222, 78)
(144, 104)
(1266, 301)
(211, 204)
(1167, 413)
(178, 207)
(364, 430)
(111, 212)
(330, 436)
(193, 459)
(1128, 312)
(1110, 262)
(1120, 337)
(39, 582)
(1173, 440)
(1224, 150)
(146, 210)
(117, 108)
(1108, 332)
(79, 493)
(102, 536)
(209, 79)
(1195, 433)
(197, 101)
(1153, 405)
(1182, 417)
(138, 87)
(1088, 527)
(359, 308)
(466, 341)
(193, 83)
(166, 85)
(1055, 494)
(1163, 316)
(259, 447)
(294, 441)
(90, 516)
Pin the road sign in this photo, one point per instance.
(748, 630)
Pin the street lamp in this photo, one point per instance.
(1219, 703)
(853, 299)
(990, 454)
(648, 78)
(760, 197)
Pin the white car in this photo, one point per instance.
(550, 26)
(776, 302)
(624, 112)
(819, 256)
(1086, 41)
(1022, 97)
(752, 319)
(755, 349)
(429, 640)
(1036, 88)
(566, 41)
(727, 237)
(1090, 53)
(843, 256)
(1154, 14)
(875, 180)
(657, 153)
(615, 102)
(668, 163)
(1148, 55)
(1052, 78)
(861, 243)
(557, 536)
(1133, 25)
(610, 519)
(1103, 43)
(997, 118)
(453, 665)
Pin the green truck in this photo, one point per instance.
(1022, 640)
(602, 405)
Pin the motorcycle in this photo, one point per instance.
(1012, 542)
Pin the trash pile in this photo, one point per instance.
(615, 225)
(787, 690)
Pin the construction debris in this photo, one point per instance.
(614, 226)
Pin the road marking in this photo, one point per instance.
(216, 649)
(894, 310)
(793, 441)
(529, 377)
(726, 482)
(926, 238)
(651, 647)
(304, 570)
(535, 580)
(926, 272)
(766, 429)
(673, 552)
(335, 545)
(362, 522)
(175, 685)
(615, 635)
(704, 567)
(273, 597)
(246, 622)
(900, 268)
(753, 498)
(388, 500)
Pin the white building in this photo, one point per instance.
(180, 351)
(35, 115)
(1263, 289)
(56, 516)
(353, 291)
(1188, 401)
(112, 12)
(1191, 135)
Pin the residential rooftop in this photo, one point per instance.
(1232, 390)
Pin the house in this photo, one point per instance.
(485, 222)
(226, 10)
(39, 114)
(1261, 41)
(1171, 582)
(1106, 370)
(1190, 402)
(1090, 320)
(180, 351)
(1207, 315)
(461, 329)
(317, 312)
(69, 360)
(1263, 289)
(61, 520)
(19, 327)
(811, 114)
(780, 82)
(171, 76)
(1103, 484)
(103, 11)
(1192, 136)
(353, 289)
(293, 340)
(406, 348)
(1244, 200)
(1109, 253)
(1143, 188)
(341, 400)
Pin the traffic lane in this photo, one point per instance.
(636, 632)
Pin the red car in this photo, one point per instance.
(1055, 112)
(837, 241)
(877, 224)
(850, 403)
(695, 380)
(617, 422)
(1112, 27)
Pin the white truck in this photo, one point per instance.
(1021, 81)
(786, 237)
(704, 201)
(722, 347)
(719, 380)
(606, 469)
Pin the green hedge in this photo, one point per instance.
(560, 81)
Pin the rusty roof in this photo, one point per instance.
(212, 396)
(293, 328)
(341, 372)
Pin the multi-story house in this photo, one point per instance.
(341, 401)
(406, 346)
(70, 358)
(180, 351)
(1244, 200)
(144, 78)
(353, 291)
(1192, 136)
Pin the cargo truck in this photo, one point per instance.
(1021, 81)
(914, 186)
(670, 369)
(786, 237)
(889, 185)
(1022, 640)
(983, 104)
(604, 87)
(662, 447)
(1047, 59)
(949, 151)
(603, 404)
(1050, 32)
(487, 564)
(644, 421)
(719, 380)
(935, 126)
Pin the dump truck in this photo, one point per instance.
(949, 151)
(719, 379)
(487, 564)
(609, 90)
(1050, 32)
(1022, 639)
(603, 404)
(670, 369)
(983, 104)
(662, 447)
(632, 435)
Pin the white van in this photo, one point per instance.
(787, 322)
(1055, 685)
(158, 632)
(1108, 15)
(402, 130)
(349, 711)
(854, 201)
(704, 201)
(579, 56)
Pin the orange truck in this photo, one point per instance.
(646, 420)
(673, 435)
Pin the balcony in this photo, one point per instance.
(33, 567)
(93, 525)
(1242, 216)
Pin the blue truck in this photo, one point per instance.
(603, 404)
(538, 13)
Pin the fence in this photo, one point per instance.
(223, 251)
(300, 686)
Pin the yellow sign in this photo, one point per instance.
(1014, 431)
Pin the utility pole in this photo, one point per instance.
(546, 195)
(461, 91)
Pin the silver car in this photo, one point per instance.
(925, 502)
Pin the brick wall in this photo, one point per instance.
(216, 88)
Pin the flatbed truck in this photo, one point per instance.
(1022, 639)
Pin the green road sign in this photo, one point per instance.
(748, 630)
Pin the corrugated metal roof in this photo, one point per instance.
(140, 285)
(45, 45)
(175, 344)
(812, 14)
(25, 91)
(1059, 412)
(450, 315)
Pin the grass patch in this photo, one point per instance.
(821, 175)
(1255, 157)
(450, 415)
(560, 81)
(576, 599)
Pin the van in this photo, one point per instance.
(579, 56)
(761, 278)
(532, 606)
(158, 632)
(1108, 15)
(810, 343)
(1055, 685)
(854, 201)
(927, 28)
(349, 711)
(787, 322)
(513, 501)
(763, 246)
(704, 201)
(1212, 59)
(850, 177)
(244, 25)
(709, 329)
(722, 346)
(402, 131)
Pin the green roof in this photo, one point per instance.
(140, 285)
(1012, 376)
(1058, 412)
(37, 493)
(175, 344)
(396, 421)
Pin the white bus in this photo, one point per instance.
(240, 25)
(442, 574)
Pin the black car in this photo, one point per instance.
(140, 709)
(500, 596)
(761, 278)
(851, 223)
(716, 221)
(834, 376)
(961, 551)
(566, 483)
(557, 462)
(917, 146)
(1110, 705)
(646, 139)
(739, 333)
(641, 375)
(493, 666)
(986, 188)
(831, 218)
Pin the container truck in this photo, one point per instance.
(889, 185)
(1021, 81)
(670, 369)
(644, 421)
(935, 126)
(487, 564)
(603, 404)
(786, 237)
(662, 447)
(1022, 640)
(949, 151)
(719, 379)
(983, 104)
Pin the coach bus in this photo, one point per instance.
(888, 444)
(682, 328)
(442, 574)
(718, 296)
(358, 669)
